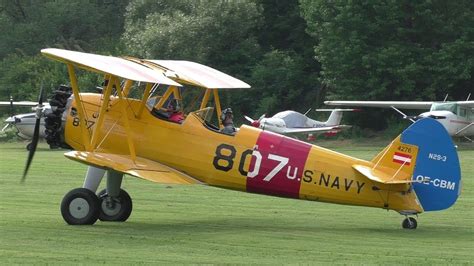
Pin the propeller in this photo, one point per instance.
(34, 141)
(255, 123)
(414, 118)
(411, 118)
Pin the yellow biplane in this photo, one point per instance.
(115, 133)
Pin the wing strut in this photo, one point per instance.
(126, 122)
(80, 108)
(217, 102)
(103, 108)
(165, 97)
(146, 94)
(127, 87)
(218, 107)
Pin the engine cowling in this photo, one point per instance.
(54, 125)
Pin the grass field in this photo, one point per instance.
(200, 224)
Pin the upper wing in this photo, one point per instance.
(142, 168)
(466, 103)
(199, 75)
(313, 129)
(109, 65)
(383, 104)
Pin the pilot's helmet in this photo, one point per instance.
(227, 113)
(174, 105)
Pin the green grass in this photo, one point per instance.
(200, 224)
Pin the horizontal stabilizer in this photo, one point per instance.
(141, 167)
(379, 176)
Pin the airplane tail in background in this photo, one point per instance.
(425, 156)
(335, 117)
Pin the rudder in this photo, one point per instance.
(437, 173)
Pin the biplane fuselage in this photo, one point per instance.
(114, 133)
(279, 166)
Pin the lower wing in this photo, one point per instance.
(141, 167)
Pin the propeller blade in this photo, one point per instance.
(404, 115)
(249, 119)
(261, 117)
(5, 127)
(34, 141)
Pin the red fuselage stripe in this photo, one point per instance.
(278, 152)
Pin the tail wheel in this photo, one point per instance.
(409, 223)
(115, 209)
(80, 206)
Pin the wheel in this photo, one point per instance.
(80, 206)
(409, 223)
(116, 209)
(29, 146)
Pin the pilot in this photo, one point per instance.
(174, 111)
(227, 121)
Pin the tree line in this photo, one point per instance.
(294, 54)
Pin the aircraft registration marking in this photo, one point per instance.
(441, 183)
(277, 165)
(437, 157)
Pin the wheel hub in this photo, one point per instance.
(79, 208)
(110, 206)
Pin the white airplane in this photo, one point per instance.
(25, 123)
(292, 122)
(457, 116)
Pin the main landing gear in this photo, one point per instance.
(409, 223)
(114, 209)
(81, 206)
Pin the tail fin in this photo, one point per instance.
(430, 162)
(335, 118)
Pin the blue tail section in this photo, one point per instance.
(437, 169)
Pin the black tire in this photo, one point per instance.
(29, 146)
(121, 209)
(80, 206)
(409, 223)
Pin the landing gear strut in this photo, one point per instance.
(82, 206)
(409, 223)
